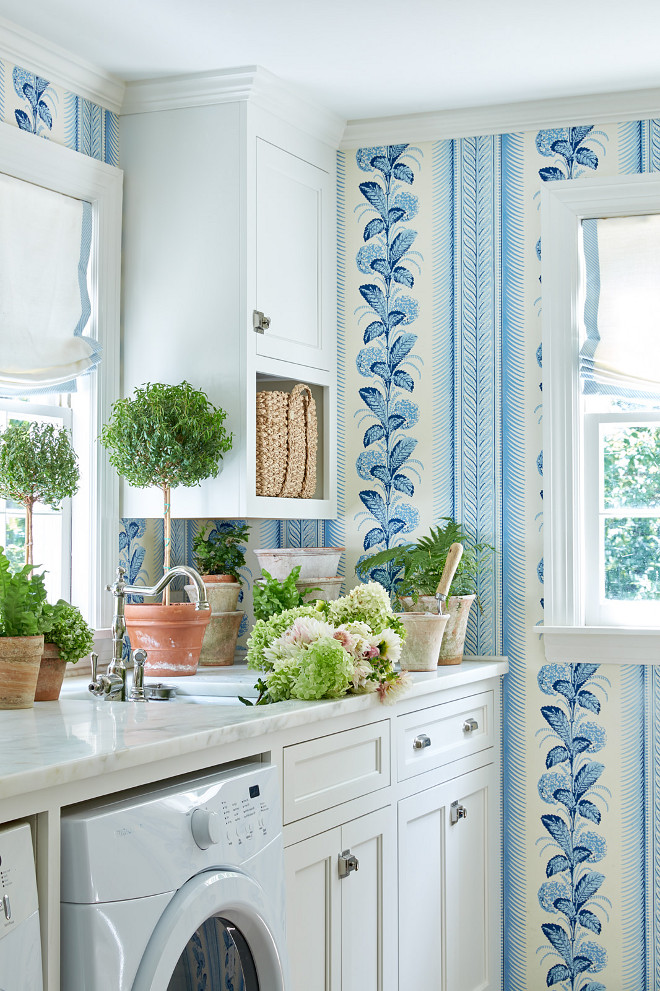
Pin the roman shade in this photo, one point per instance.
(620, 347)
(45, 240)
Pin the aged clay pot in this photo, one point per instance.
(458, 609)
(20, 658)
(51, 675)
(315, 562)
(220, 638)
(171, 635)
(421, 646)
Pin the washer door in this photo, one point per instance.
(215, 935)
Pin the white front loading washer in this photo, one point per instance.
(20, 936)
(177, 888)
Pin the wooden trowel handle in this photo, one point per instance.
(454, 556)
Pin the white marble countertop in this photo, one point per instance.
(72, 739)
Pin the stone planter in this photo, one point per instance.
(220, 638)
(315, 562)
(328, 589)
(20, 658)
(421, 647)
(222, 595)
(51, 675)
(171, 635)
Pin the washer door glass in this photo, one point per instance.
(215, 958)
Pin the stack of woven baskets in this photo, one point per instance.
(286, 444)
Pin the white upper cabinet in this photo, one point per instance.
(230, 209)
(292, 285)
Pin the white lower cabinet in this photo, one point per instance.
(341, 931)
(447, 886)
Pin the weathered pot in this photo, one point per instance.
(421, 646)
(315, 562)
(220, 638)
(51, 674)
(20, 658)
(327, 589)
(223, 595)
(458, 609)
(171, 635)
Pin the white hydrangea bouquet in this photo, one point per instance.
(330, 649)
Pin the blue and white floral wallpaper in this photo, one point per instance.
(40, 107)
(441, 384)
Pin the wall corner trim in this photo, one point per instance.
(30, 51)
(249, 84)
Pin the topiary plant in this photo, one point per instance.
(164, 436)
(37, 464)
(69, 632)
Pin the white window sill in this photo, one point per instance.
(601, 644)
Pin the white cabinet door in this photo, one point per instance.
(292, 277)
(447, 886)
(341, 932)
(313, 897)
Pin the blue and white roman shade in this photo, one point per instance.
(620, 349)
(45, 240)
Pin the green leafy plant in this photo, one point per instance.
(24, 611)
(37, 464)
(164, 436)
(69, 632)
(219, 552)
(416, 569)
(271, 596)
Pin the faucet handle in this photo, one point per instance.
(137, 691)
(95, 660)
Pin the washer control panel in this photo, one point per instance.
(18, 883)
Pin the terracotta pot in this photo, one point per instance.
(215, 579)
(171, 635)
(20, 658)
(51, 674)
(421, 647)
(220, 638)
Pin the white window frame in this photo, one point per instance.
(564, 205)
(55, 167)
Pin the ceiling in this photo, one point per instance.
(370, 58)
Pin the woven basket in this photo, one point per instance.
(287, 439)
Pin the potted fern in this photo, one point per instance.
(219, 556)
(415, 570)
(37, 464)
(165, 436)
(24, 618)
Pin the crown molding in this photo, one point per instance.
(245, 84)
(28, 50)
(503, 118)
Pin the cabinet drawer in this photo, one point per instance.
(442, 733)
(319, 774)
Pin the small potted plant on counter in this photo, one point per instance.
(165, 436)
(415, 570)
(68, 640)
(37, 464)
(24, 618)
(219, 556)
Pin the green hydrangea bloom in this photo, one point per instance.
(326, 673)
(267, 630)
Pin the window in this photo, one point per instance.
(89, 558)
(601, 389)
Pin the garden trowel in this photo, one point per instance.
(454, 555)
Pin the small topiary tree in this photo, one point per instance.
(37, 464)
(164, 436)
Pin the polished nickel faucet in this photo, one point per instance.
(112, 685)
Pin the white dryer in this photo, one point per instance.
(177, 888)
(20, 939)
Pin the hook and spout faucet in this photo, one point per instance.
(112, 685)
